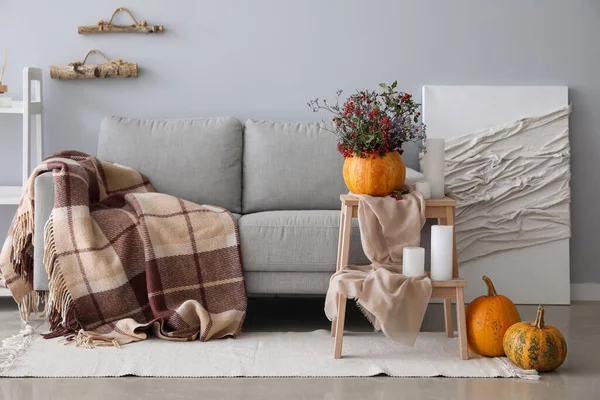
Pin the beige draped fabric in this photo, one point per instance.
(394, 303)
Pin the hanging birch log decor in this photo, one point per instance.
(108, 27)
(116, 68)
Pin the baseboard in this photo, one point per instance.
(585, 291)
(579, 292)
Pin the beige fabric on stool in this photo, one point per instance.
(394, 303)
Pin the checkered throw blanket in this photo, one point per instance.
(122, 258)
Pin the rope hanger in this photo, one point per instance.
(108, 27)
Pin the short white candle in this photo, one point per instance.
(425, 189)
(413, 261)
(441, 252)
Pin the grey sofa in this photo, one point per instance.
(281, 181)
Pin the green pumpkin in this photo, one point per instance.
(535, 345)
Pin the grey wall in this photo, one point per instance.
(266, 58)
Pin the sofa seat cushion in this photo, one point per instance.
(199, 160)
(295, 241)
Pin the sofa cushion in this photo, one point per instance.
(199, 160)
(295, 166)
(295, 241)
(291, 166)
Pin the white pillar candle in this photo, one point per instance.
(441, 252)
(413, 261)
(425, 189)
(433, 166)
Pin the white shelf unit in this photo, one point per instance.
(17, 108)
(31, 106)
(10, 194)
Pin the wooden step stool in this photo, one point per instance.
(443, 211)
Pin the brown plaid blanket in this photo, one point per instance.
(122, 258)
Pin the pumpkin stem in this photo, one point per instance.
(490, 285)
(539, 319)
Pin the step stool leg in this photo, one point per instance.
(448, 317)
(462, 323)
(339, 328)
(339, 254)
(343, 247)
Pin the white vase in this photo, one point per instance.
(5, 100)
(433, 166)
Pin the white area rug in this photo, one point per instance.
(258, 354)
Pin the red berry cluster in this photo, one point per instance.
(345, 151)
(349, 108)
(396, 195)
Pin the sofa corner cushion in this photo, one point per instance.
(291, 166)
(199, 160)
(295, 241)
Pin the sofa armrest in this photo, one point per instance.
(44, 202)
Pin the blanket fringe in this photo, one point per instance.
(367, 315)
(61, 314)
(21, 253)
(21, 258)
(13, 347)
(30, 304)
(90, 340)
(49, 246)
(515, 372)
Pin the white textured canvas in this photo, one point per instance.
(524, 274)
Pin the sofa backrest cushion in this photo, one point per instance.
(291, 166)
(199, 160)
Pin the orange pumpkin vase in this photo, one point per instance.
(488, 318)
(375, 175)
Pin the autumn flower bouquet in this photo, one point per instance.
(371, 122)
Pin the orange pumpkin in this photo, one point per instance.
(535, 345)
(488, 318)
(375, 175)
